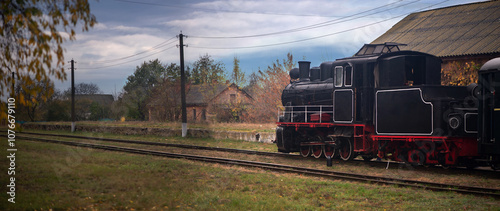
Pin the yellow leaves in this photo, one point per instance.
(33, 43)
(459, 73)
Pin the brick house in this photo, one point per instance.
(461, 33)
(221, 102)
(204, 103)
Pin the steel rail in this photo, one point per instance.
(232, 150)
(290, 169)
(252, 152)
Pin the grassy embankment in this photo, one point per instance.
(54, 176)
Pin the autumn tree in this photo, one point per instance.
(34, 95)
(237, 76)
(31, 38)
(139, 87)
(267, 94)
(166, 98)
(459, 73)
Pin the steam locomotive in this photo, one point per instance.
(387, 103)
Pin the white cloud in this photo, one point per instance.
(227, 24)
(115, 37)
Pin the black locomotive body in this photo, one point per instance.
(387, 103)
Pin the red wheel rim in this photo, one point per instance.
(329, 151)
(317, 151)
(345, 150)
(305, 151)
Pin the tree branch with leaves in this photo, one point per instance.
(31, 38)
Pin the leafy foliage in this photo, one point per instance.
(58, 108)
(231, 106)
(139, 87)
(206, 70)
(31, 41)
(32, 96)
(460, 73)
(98, 112)
(237, 76)
(267, 92)
(165, 103)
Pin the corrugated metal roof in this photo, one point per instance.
(468, 29)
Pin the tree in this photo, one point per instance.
(166, 100)
(459, 73)
(267, 94)
(253, 84)
(98, 112)
(84, 89)
(32, 96)
(207, 71)
(139, 87)
(237, 76)
(31, 39)
(57, 107)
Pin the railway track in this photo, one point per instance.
(241, 151)
(269, 166)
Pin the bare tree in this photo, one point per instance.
(84, 89)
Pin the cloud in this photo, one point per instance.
(228, 24)
(125, 30)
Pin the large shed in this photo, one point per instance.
(461, 33)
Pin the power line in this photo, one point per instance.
(169, 41)
(313, 38)
(113, 65)
(158, 46)
(313, 26)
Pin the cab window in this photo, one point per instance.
(339, 76)
(348, 76)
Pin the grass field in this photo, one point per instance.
(50, 176)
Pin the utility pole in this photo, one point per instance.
(73, 124)
(183, 87)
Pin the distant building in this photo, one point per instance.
(204, 103)
(221, 102)
(462, 33)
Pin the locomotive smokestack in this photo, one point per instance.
(304, 70)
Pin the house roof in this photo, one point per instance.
(469, 29)
(102, 99)
(202, 94)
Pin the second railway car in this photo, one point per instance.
(387, 103)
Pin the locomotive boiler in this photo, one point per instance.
(387, 103)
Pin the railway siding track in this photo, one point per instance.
(252, 152)
(268, 166)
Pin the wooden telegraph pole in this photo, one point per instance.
(73, 123)
(183, 86)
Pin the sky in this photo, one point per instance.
(258, 32)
